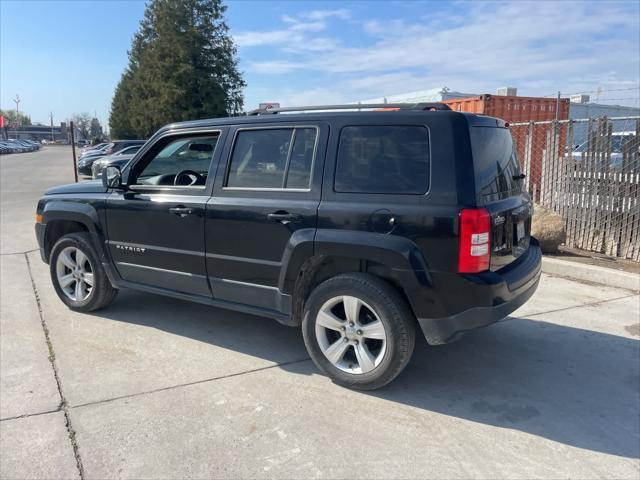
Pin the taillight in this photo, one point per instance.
(474, 252)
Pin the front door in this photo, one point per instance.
(155, 227)
(265, 199)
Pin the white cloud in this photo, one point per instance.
(253, 39)
(539, 47)
(342, 14)
(296, 31)
(313, 96)
(275, 67)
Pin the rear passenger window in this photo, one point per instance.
(272, 158)
(383, 159)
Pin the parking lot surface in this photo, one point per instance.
(154, 387)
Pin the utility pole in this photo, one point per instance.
(17, 102)
(73, 150)
(555, 124)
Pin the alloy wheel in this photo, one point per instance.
(350, 334)
(74, 273)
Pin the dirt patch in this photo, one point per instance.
(633, 329)
(592, 258)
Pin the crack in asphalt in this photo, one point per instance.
(20, 253)
(589, 304)
(52, 359)
(188, 384)
(27, 415)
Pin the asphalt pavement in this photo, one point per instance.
(154, 387)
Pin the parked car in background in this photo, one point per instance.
(118, 145)
(29, 145)
(100, 148)
(36, 145)
(13, 145)
(119, 161)
(6, 148)
(618, 141)
(132, 150)
(93, 147)
(362, 227)
(86, 160)
(83, 143)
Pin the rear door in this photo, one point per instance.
(499, 188)
(266, 192)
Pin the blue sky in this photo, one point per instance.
(67, 56)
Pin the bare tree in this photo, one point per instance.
(82, 122)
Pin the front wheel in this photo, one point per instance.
(78, 276)
(358, 330)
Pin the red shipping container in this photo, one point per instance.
(511, 109)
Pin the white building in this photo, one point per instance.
(582, 107)
(420, 96)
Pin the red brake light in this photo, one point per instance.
(474, 252)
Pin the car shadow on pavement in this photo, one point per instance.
(573, 386)
(569, 385)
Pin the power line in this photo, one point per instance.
(625, 98)
(597, 91)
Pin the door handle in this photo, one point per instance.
(284, 217)
(181, 211)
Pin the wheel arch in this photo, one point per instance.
(397, 260)
(61, 218)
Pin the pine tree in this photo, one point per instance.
(182, 66)
(119, 120)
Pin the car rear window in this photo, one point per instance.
(383, 159)
(495, 161)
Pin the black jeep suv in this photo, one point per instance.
(360, 223)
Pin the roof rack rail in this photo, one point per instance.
(353, 106)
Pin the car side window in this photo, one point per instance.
(181, 162)
(279, 158)
(383, 159)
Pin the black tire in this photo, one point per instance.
(392, 310)
(102, 293)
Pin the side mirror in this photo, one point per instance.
(111, 177)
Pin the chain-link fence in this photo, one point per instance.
(588, 171)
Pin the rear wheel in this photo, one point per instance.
(358, 330)
(78, 276)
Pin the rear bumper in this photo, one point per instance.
(497, 293)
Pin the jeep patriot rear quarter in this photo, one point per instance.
(357, 225)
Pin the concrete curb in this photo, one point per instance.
(591, 273)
